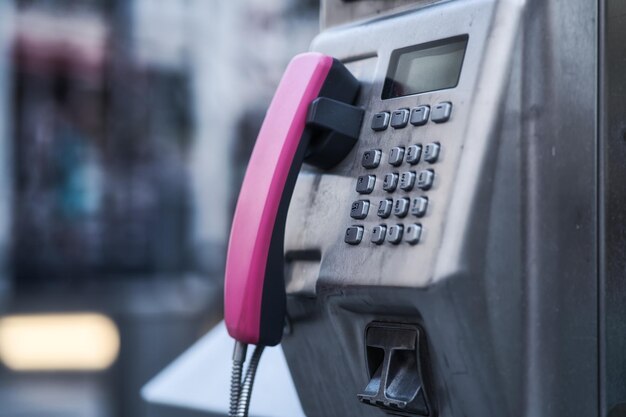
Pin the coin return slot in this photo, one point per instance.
(395, 362)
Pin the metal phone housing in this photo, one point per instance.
(504, 281)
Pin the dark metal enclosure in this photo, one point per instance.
(517, 282)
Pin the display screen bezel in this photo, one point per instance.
(390, 79)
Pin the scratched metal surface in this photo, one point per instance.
(319, 212)
(505, 282)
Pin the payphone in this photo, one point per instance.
(453, 261)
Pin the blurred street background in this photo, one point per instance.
(125, 127)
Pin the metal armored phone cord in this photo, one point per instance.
(240, 393)
(239, 357)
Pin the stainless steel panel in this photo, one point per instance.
(403, 265)
(505, 281)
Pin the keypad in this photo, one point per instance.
(380, 121)
(359, 209)
(371, 158)
(413, 154)
(390, 182)
(378, 234)
(431, 152)
(354, 235)
(419, 115)
(401, 207)
(441, 113)
(414, 164)
(400, 118)
(413, 233)
(396, 156)
(394, 234)
(425, 179)
(407, 180)
(365, 184)
(384, 208)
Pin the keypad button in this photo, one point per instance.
(396, 156)
(394, 234)
(407, 180)
(425, 179)
(413, 154)
(419, 115)
(419, 206)
(354, 235)
(359, 209)
(431, 152)
(365, 184)
(371, 158)
(441, 112)
(413, 233)
(380, 121)
(399, 118)
(401, 207)
(384, 208)
(390, 182)
(378, 234)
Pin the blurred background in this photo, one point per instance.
(125, 128)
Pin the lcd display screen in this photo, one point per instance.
(426, 67)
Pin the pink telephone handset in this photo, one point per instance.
(310, 119)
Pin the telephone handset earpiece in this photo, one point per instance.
(310, 119)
